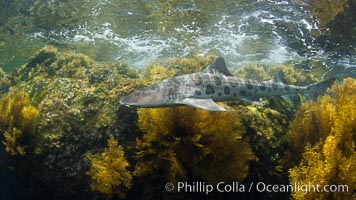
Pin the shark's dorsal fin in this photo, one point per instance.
(206, 104)
(218, 65)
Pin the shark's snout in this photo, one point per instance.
(135, 98)
(140, 98)
(125, 100)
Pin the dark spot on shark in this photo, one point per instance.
(197, 92)
(171, 91)
(286, 87)
(233, 81)
(249, 84)
(263, 86)
(209, 89)
(175, 81)
(174, 84)
(153, 87)
(274, 86)
(226, 90)
(217, 80)
(242, 93)
(197, 79)
(234, 95)
(269, 90)
(219, 94)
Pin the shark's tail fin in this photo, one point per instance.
(319, 88)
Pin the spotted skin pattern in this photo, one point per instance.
(226, 88)
(215, 83)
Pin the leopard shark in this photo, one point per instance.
(214, 84)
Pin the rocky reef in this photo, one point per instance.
(76, 100)
(65, 136)
(4, 82)
(337, 18)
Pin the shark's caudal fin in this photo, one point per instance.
(319, 88)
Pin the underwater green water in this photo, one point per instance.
(147, 31)
(64, 134)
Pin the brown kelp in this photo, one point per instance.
(17, 122)
(157, 72)
(322, 143)
(71, 108)
(108, 171)
(77, 111)
(4, 82)
(185, 143)
(292, 74)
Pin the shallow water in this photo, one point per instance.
(143, 32)
(79, 105)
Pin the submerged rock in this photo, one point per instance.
(77, 101)
(336, 17)
(78, 111)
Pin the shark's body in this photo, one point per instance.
(215, 83)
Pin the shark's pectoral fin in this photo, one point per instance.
(253, 100)
(206, 104)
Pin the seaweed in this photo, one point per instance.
(322, 143)
(77, 104)
(292, 74)
(60, 128)
(108, 171)
(17, 122)
(185, 143)
(179, 66)
(4, 82)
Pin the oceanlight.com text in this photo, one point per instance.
(202, 187)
